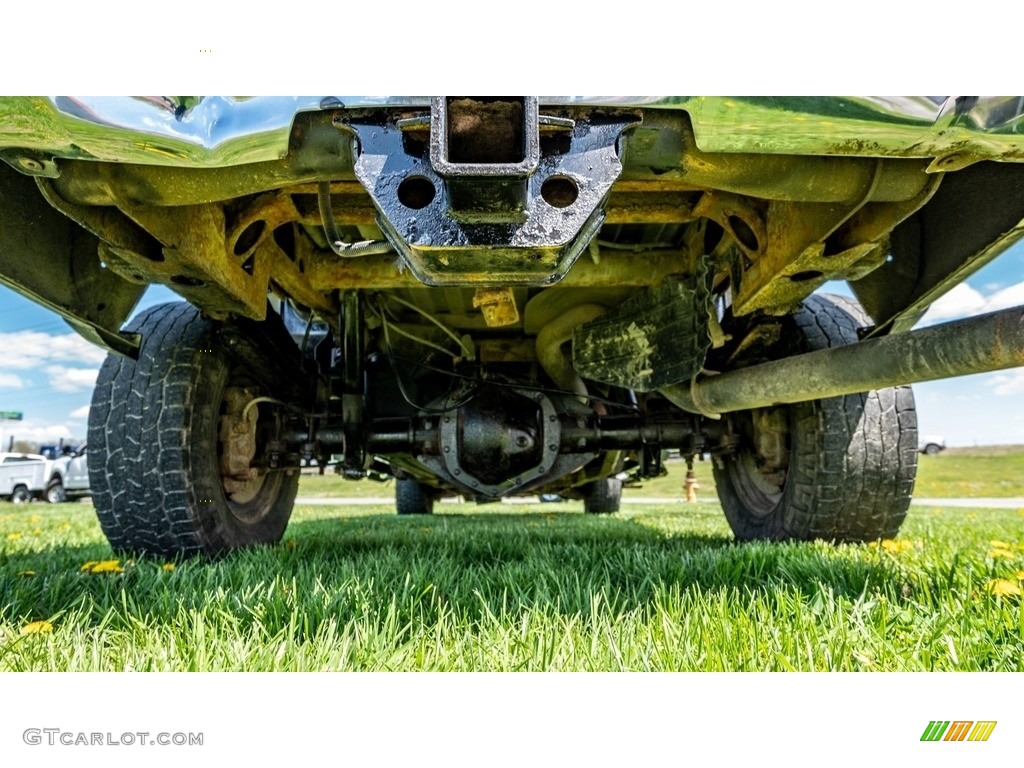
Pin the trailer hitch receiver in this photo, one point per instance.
(489, 191)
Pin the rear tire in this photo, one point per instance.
(21, 495)
(55, 493)
(159, 431)
(603, 497)
(843, 467)
(413, 498)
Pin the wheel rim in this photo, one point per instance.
(250, 491)
(755, 491)
(761, 464)
(55, 495)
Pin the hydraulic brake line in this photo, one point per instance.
(341, 248)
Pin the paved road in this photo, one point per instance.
(1012, 503)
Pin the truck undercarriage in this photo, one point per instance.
(492, 296)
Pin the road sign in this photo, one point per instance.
(11, 415)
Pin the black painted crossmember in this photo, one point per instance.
(489, 191)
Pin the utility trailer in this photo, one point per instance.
(495, 296)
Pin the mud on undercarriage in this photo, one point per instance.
(498, 296)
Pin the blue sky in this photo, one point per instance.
(48, 370)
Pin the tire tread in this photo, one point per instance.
(140, 430)
(851, 475)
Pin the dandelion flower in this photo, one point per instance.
(1002, 587)
(13, 536)
(894, 547)
(89, 566)
(999, 552)
(106, 566)
(26, 573)
(37, 628)
(168, 566)
(1019, 575)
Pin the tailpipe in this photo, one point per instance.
(989, 342)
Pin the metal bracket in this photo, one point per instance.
(487, 208)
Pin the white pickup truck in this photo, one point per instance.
(68, 477)
(23, 476)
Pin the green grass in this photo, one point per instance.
(994, 471)
(671, 485)
(512, 588)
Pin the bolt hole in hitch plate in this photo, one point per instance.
(495, 194)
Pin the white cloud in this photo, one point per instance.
(961, 301)
(10, 381)
(1011, 296)
(79, 413)
(964, 301)
(1010, 382)
(24, 350)
(37, 433)
(65, 379)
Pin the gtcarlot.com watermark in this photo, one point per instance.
(56, 737)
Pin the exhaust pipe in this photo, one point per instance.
(989, 342)
(553, 359)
